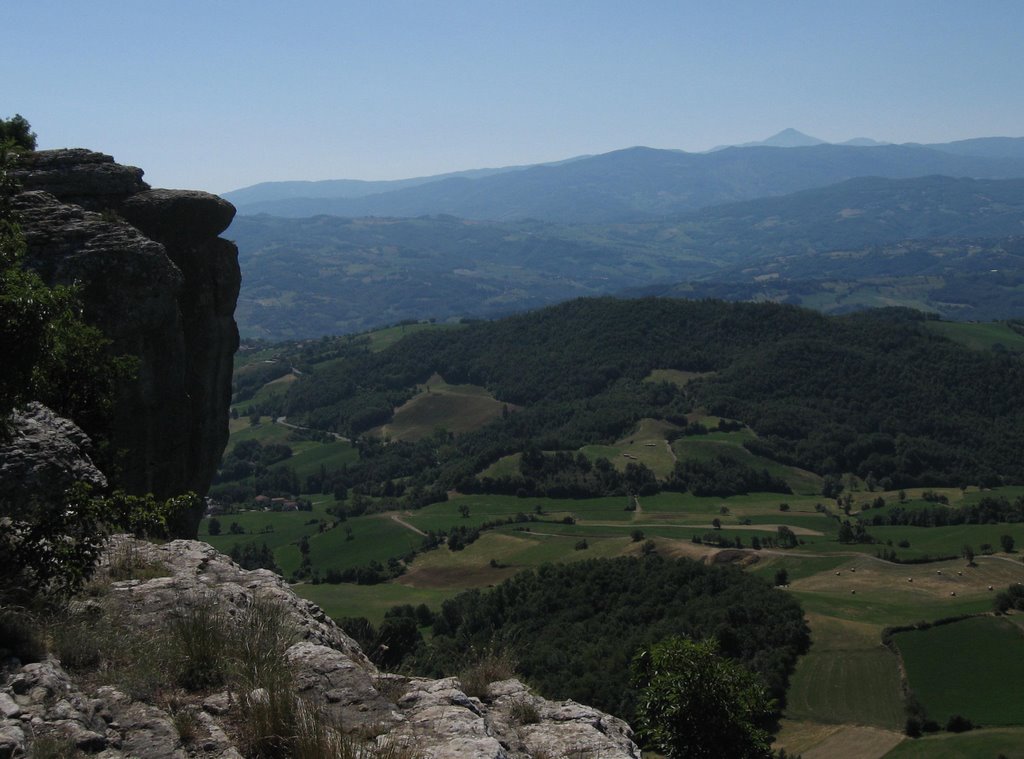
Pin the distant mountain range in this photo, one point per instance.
(792, 138)
(635, 184)
(934, 240)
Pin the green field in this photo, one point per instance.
(265, 432)
(707, 447)
(513, 552)
(675, 376)
(370, 601)
(974, 668)
(376, 537)
(941, 541)
(310, 456)
(994, 742)
(270, 390)
(276, 529)
(980, 336)
(385, 338)
(455, 408)
(847, 677)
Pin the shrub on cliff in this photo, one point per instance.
(693, 702)
(50, 548)
(50, 354)
(18, 132)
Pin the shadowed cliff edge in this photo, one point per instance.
(156, 279)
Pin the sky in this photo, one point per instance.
(221, 94)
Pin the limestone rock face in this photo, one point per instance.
(155, 278)
(432, 719)
(44, 456)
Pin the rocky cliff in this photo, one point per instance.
(389, 715)
(155, 277)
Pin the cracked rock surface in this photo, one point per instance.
(431, 718)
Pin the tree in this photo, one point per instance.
(18, 132)
(213, 527)
(464, 511)
(968, 554)
(785, 537)
(1007, 542)
(694, 703)
(781, 577)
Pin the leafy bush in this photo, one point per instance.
(694, 703)
(52, 547)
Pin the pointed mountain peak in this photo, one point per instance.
(791, 138)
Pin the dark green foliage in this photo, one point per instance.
(22, 635)
(51, 547)
(1010, 599)
(50, 354)
(989, 510)
(251, 556)
(959, 724)
(722, 476)
(573, 629)
(397, 636)
(17, 132)
(873, 393)
(694, 703)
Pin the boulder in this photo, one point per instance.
(44, 455)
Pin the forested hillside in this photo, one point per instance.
(878, 393)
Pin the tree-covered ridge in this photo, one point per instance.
(574, 628)
(875, 394)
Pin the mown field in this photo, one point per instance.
(846, 677)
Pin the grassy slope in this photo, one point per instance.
(456, 408)
(996, 742)
(973, 668)
(847, 677)
(980, 336)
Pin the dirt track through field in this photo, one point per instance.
(408, 526)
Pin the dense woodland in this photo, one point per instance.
(573, 629)
(874, 393)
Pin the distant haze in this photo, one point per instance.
(224, 95)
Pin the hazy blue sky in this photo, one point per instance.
(219, 94)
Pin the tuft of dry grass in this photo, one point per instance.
(487, 667)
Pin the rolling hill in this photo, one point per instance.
(935, 238)
(640, 183)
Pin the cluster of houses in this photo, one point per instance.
(260, 502)
(266, 503)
